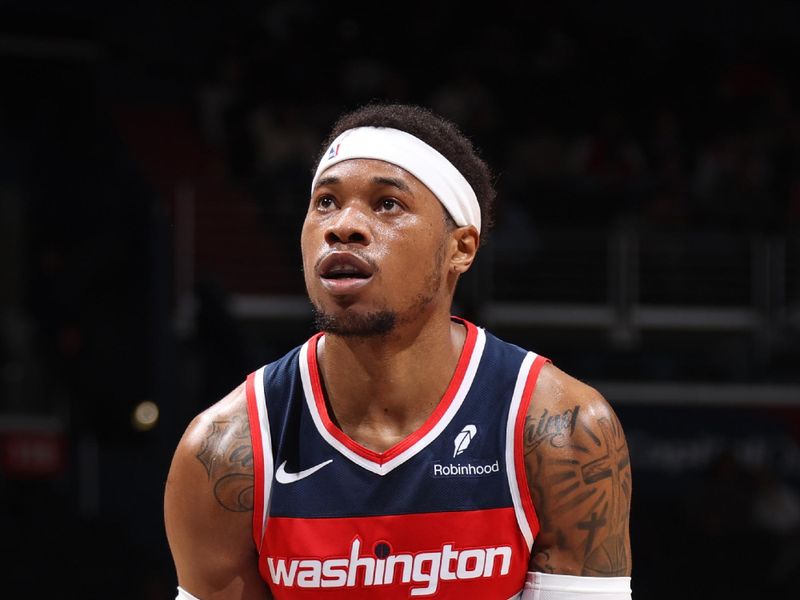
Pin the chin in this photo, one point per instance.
(349, 322)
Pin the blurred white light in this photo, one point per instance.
(145, 416)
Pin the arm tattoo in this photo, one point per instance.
(541, 562)
(588, 497)
(227, 455)
(608, 557)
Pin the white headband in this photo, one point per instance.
(415, 156)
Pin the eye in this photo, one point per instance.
(389, 205)
(324, 203)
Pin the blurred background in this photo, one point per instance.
(155, 159)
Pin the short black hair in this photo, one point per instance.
(437, 132)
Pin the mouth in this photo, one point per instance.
(343, 273)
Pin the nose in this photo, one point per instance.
(349, 226)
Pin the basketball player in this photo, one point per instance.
(401, 452)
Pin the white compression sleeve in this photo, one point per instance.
(184, 595)
(550, 586)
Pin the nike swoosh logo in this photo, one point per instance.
(283, 477)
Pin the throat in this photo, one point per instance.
(380, 398)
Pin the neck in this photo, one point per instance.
(381, 389)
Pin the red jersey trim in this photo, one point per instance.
(383, 457)
(258, 459)
(519, 450)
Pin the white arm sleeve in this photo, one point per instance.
(549, 586)
(184, 595)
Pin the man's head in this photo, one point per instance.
(379, 246)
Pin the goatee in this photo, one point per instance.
(351, 324)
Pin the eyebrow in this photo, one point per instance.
(390, 181)
(327, 180)
(394, 182)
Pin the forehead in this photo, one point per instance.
(372, 172)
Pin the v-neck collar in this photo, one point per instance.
(382, 463)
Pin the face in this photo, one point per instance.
(375, 245)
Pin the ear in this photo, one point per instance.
(464, 247)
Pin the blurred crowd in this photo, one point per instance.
(666, 118)
(584, 122)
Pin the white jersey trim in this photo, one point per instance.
(554, 586)
(266, 446)
(411, 451)
(511, 472)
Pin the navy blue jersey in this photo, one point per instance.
(445, 513)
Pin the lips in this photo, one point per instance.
(344, 273)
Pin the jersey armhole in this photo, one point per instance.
(262, 460)
(519, 449)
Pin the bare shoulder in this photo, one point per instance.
(218, 439)
(208, 504)
(561, 403)
(579, 476)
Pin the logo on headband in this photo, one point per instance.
(333, 151)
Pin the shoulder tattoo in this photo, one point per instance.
(227, 455)
(554, 429)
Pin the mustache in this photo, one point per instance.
(372, 264)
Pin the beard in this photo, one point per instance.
(351, 324)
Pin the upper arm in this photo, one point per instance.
(579, 475)
(208, 505)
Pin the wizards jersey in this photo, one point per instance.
(445, 513)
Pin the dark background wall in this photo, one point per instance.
(154, 166)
